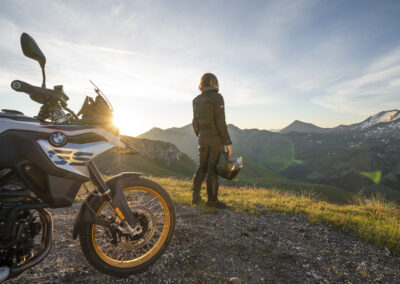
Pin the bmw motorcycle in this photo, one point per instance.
(125, 223)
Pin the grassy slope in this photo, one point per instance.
(111, 163)
(374, 220)
(255, 175)
(252, 174)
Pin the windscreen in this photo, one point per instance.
(100, 93)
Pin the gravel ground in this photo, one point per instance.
(212, 247)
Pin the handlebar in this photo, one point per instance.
(39, 94)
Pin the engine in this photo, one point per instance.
(19, 239)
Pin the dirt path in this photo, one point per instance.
(213, 247)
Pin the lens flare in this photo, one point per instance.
(375, 176)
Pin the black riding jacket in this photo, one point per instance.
(209, 116)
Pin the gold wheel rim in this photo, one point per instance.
(149, 254)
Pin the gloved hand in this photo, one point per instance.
(229, 147)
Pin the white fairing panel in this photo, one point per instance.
(70, 157)
(11, 124)
(7, 124)
(73, 157)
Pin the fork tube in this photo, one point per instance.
(98, 181)
(101, 185)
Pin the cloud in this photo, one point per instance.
(90, 48)
(155, 54)
(377, 88)
(270, 53)
(386, 61)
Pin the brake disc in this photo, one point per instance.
(146, 222)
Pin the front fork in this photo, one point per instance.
(115, 200)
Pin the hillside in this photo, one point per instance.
(344, 157)
(340, 160)
(183, 137)
(156, 158)
(252, 174)
(285, 239)
(256, 175)
(163, 159)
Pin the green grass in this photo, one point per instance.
(255, 175)
(374, 220)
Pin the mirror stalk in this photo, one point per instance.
(44, 77)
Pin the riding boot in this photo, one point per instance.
(212, 192)
(196, 198)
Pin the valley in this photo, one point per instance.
(342, 161)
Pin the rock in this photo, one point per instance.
(235, 280)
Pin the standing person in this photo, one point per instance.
(210, 128)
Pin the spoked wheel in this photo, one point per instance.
(113, 250)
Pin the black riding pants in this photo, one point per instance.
(209, 150)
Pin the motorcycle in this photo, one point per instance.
(125, 223)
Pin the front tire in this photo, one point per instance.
(155, 211)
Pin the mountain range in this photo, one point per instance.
(156, 158)
(358, 158)
(389, 118)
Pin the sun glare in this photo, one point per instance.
(130, 122)
(125, 124)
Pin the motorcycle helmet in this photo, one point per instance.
(228, 169)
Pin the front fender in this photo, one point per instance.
(85, 214)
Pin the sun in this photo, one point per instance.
(121, 123)
(126, 123)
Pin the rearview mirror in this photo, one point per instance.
(32, 50)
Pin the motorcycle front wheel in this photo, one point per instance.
(114, 252)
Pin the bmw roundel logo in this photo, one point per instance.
(58, 139)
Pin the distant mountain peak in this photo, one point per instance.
(383, 116)
(300, 126)
(155, 129)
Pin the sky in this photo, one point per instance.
(324, 62)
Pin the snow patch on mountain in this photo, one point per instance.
(384, 116)
(395, 125)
